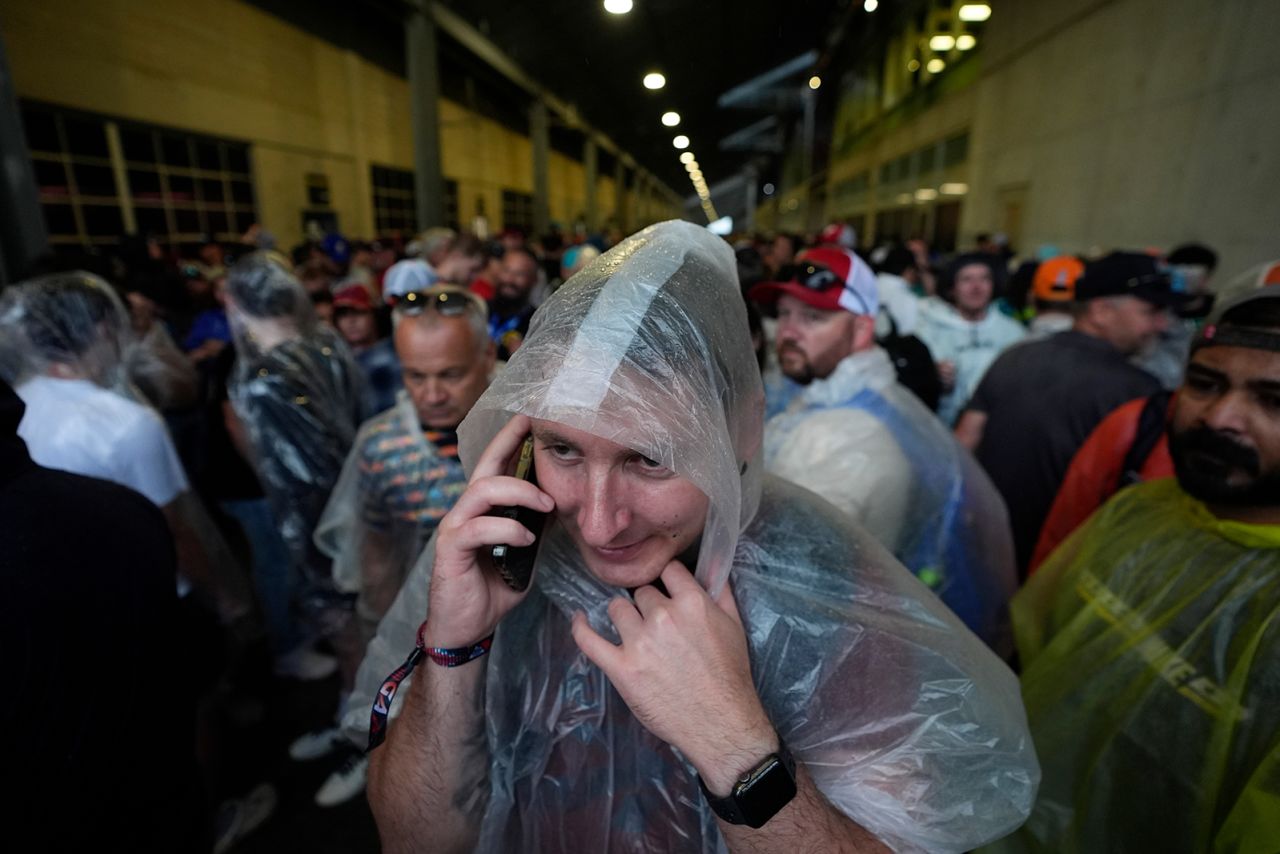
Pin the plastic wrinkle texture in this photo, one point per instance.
(1151, 646)
(300, 400)
(865, 443)
(906, 721)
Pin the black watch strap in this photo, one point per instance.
(759, 794)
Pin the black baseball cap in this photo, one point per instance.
(1130, 274)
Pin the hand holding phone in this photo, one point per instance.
(515, 563)
(469, 593)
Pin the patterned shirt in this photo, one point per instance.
(403, 479)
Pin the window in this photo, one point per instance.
(183, 186)
(71, 158)
(517, 211)
(394, 206)
(99, 178)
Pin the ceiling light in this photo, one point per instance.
(654, 80)
(954, 189)
(696, 174)
(815, 81)
(687, 157)
(681, 141)
(871, 5)
(617, 7)
(913, 66)
(768, 189)
(935, 65)
(965, 42)
(926, 194)
(671, 119)
(942, 43)
(975, 12)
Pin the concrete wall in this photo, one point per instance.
(226, 69)
(1132, 123)
(1116, 123)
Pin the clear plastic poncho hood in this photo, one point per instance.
(905, 720)
(641, 348)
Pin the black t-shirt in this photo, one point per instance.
(1042, 399)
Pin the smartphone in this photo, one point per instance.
(515, 563)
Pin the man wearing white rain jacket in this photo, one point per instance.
(865, 443)
(797, 687)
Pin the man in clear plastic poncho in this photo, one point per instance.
(1150, 638)
(796, 636)
(864, 442)
(67, 348)
(298, 394)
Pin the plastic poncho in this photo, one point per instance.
(904, 719)
(864, 442)
(300, 400)
(970, 346)
(394, 489)
(72, 334)
(1151, 647)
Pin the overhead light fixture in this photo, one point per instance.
(815, 81)
(671, 118)
(871, 5)
(954, 189)
(654, 80)
(681, 141)
(768, 189)
(935, 65)
(942, 43)
(965, 42)
(975, 12)
(926, 194)
(617, 7)
(687, 157)
(913, 66)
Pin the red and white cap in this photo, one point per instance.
(826, 278)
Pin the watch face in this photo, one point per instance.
(770, 788)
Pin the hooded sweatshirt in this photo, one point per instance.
(971, 345)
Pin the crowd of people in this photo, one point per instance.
(835, 546)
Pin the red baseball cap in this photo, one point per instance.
(353, 296)
(826, 278)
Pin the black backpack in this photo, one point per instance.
(914, 364)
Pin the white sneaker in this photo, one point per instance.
(237, 818)
(306, 665)
(345, 783)
(316, 744)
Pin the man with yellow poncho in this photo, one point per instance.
(1150, 640)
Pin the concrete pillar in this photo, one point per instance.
(589, 170)
(540, 137)
(424, 113)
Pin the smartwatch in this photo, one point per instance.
(760, 793)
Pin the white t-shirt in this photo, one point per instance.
(80, 427)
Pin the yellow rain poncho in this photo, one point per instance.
(1150, 643)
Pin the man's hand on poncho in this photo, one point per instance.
(684, 670)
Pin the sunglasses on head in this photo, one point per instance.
(814, 277)
(448, 301)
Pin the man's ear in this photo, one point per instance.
(864, 332)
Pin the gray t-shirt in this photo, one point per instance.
(1042, 399)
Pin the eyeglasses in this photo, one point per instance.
(814, 277)
(448, 300)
